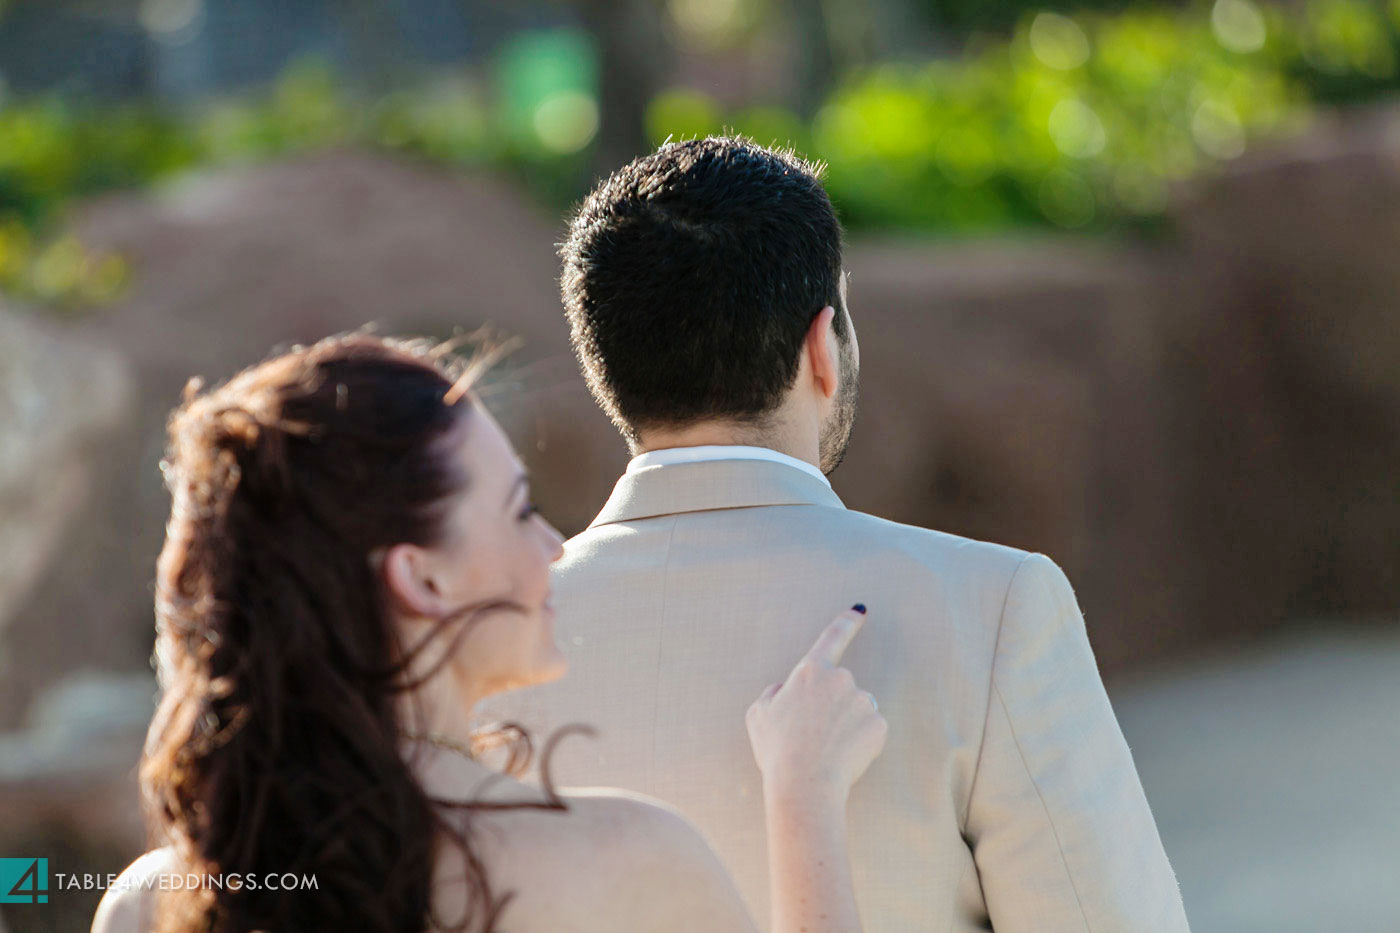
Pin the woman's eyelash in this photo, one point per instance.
(529, 510)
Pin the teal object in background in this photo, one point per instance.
(548, 91)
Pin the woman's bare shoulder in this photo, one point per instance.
(630, 861)
(129, 904)
(632, 817)
(614, 827)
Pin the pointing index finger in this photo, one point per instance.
(831, 644)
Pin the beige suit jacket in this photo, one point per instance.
(1006, 796)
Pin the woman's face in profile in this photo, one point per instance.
(495, 548)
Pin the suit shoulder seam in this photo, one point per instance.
(1049, 818)
(991, 691)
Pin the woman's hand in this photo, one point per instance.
(816, 733)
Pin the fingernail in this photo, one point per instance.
(859, 607)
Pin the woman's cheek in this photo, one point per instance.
(476, 576)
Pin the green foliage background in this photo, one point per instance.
(1068, 122)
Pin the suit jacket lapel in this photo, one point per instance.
(712, 484)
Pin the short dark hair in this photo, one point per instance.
(691, 276)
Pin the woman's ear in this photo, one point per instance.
(410, 585)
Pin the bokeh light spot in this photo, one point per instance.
(708, 22)
(1217, 130)
(1238, 25)
(1058, 41)
(170, 20)
(1076, 129)
(567, 122)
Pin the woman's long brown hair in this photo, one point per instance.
(276, 745)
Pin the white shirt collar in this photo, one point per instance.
(672, 455)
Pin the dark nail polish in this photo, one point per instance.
(859, 607)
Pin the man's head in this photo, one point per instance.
(700, 281)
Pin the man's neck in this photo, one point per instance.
(714, 433)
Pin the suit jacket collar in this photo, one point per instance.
(669, 489)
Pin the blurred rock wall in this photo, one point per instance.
(1293, 396)
(61, 402)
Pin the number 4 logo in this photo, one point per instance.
(24, 881)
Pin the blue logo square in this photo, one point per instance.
(24, 881)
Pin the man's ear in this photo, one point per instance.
(410, 585)
(820, 344)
